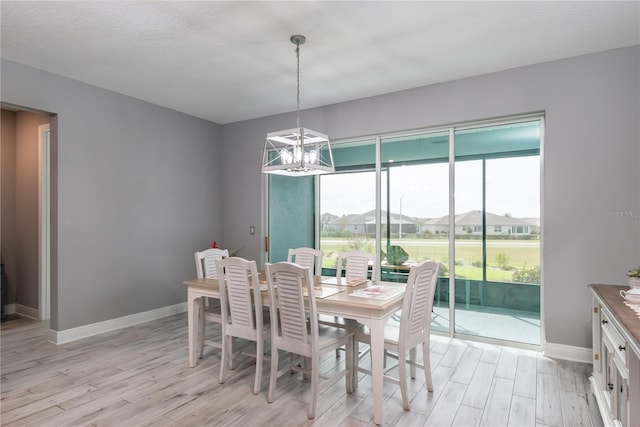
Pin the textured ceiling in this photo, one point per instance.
(230, 61)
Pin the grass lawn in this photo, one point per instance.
(516, 253)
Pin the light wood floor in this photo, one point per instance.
(139, 376)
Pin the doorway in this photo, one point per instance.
(25, 212)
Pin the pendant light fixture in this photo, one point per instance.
(298, 151)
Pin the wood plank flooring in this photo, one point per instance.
(139, 376)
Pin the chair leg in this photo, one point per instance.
(426, 360)
(225, 355)
(402, 372)
(273, 376)
(314, 387)
(412, 366)
(258, 380)
(355, 363)
(201, 326)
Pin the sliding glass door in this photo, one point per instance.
(497, 230)
(414, 210)
(467, 197)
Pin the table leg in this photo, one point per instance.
(377, 366)
(192, 313)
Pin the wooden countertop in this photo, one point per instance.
(627, 319)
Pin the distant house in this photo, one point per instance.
(470, 223)
(365, 223)
(326, 219)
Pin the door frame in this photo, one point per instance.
(44, 221)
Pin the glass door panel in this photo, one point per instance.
(415, 212)
(347, 215)
(469, 248)
(513, 268)
(497, 229)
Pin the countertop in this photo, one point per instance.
(627, 320)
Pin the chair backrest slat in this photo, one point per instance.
(307, 257)
(239, 278)
(206, 262)
(356, 265)
(418, 302)
(287, 283)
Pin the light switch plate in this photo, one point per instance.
(252, 230)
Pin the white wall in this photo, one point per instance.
(591, 167)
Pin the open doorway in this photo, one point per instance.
(25, 212)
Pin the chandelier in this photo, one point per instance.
(298, 151)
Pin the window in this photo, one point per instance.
(402, 206)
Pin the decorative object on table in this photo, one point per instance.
(632, 295)
(235, 252)
(377, 292)
(397, 255)
(634, 278)
(232, 253)
(299, 151)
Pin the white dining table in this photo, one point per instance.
(370, 312)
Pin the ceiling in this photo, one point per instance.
(228, 61)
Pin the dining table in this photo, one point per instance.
(370, 303)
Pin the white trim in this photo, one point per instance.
(24, 311)
(85, 331)
(568, 352)
(452, 236)
(542, 231)
(44, 265)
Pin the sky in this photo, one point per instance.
(512, 186)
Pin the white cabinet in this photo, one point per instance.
(615, 381)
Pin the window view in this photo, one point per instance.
(489, 256)
(347, 221)
(497, 230)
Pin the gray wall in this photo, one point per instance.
(591, 165)
(135, 191)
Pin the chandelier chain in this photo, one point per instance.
(298, 84)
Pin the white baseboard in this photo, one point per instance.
(10, 309)
(74, 334)
(568, 352)
(24, 311)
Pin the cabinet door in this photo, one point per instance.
(622, 398)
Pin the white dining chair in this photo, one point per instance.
(307, 257)
(414, 329)
(355, 265)
(242, 315)
(208, 310)
(291, 332)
